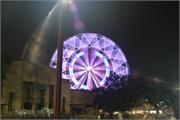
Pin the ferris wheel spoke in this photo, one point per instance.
(92, 56)
(80, 62)
(83, 60)
(98, 61)
(101, 71)
(89, 82)
(86, 57)
(100, 67)
(79, 74)
(89, 55)
(78, 67)
(99, 64)
(95, 58)
(76, 71)
(98, 74)
(83, 78)
(96, 80)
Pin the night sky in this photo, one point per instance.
(147, 32)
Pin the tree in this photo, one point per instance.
(126, 97)
(167, 87)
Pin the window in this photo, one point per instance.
(51, 95)
(41, 96)
(10, 101)
(28, 94)
(63, 104)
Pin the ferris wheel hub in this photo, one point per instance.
(89, 68)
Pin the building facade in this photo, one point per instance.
(31, 86)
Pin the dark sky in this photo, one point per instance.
(147, 32)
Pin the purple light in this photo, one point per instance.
(78, 25)
(89, 61)
(85, 71)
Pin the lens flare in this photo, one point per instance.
(78, 23)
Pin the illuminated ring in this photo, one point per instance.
(88, 67)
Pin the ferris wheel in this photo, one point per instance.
(90, 60)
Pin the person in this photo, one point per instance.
(73, 117)
(102, 115)
(99, 117)
(172, 118)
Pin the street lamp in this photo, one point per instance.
(57, 105)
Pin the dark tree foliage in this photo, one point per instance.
(125, 98)
(116, 81)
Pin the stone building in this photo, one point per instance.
(31, 86)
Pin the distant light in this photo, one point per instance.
(153, 111)
(72, 7)
(78, 25)
(137, 112)
(65, 2)
(100, 110)
(70, 2)
(115, 113)
(147, 111)
(160, 111)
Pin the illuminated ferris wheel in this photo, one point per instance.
(90, 60)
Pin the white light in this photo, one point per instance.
(133, 112)
(65, 2)
(115, 113)
(153, 111)
(89, 68)
(137, 112)
(70, 1)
